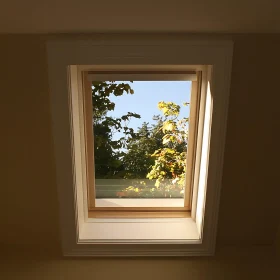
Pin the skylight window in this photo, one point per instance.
(103, 221)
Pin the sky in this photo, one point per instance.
(146, 96)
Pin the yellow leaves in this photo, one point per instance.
(160, 105)
(156, 153)
(169, 108)
(165, 140)
(164, 110)
(168, 126)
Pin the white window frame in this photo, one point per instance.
(84, 236)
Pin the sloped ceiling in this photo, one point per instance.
(220, 16)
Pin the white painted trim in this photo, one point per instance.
(161, 50)
(199, 141)
(204, 160)
(155, 231)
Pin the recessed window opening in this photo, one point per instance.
(111, 93)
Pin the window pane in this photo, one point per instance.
(140, 138)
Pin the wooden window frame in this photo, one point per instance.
(137, 211)
(82, 235)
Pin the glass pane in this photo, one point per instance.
(140, 138)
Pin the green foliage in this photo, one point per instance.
(107, 152)
(138, 160)
(164, 191)
(170, 160)
(165, 148)
(101, 92)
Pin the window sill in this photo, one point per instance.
(163, 230)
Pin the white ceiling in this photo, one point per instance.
(60, 16)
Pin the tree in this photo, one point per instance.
(164, 146)
(138, 160)
(170, 160)
(107, 152)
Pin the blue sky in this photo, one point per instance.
(146, 97)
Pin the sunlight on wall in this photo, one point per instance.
(204, 160)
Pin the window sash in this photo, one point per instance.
(88, 77)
